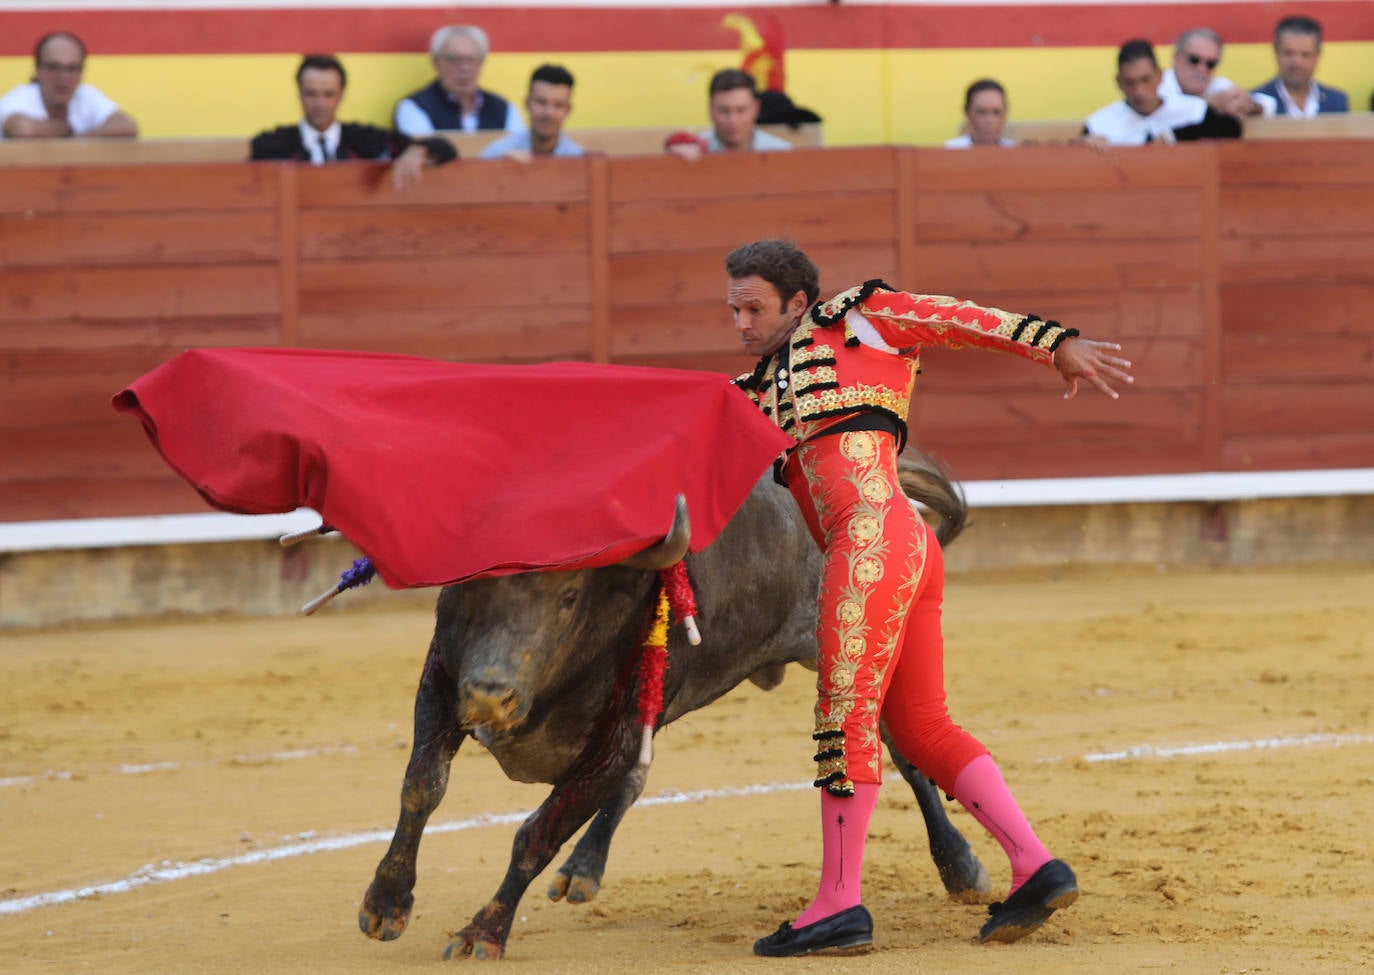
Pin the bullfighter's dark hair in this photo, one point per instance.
(52, 36)
(552, 74)
(322, 62)
(1137, 49)
(779, 262)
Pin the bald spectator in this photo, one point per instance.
(1197, 55)
(56, 103)
(1143, 116)
(1295, 92)
(453, 101)
(734, 104)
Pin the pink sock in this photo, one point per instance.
(844, 830)
(981, 790)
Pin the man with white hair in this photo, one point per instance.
(1197, 54)
(453, 102)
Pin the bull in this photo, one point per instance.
(538, 667)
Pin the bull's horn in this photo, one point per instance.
(673, 546)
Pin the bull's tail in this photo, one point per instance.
(925, 481)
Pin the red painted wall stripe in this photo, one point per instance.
(683, 29)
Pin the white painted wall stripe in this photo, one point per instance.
(169, 871)
(95, 533)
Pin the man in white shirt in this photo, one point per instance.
(56, 104)
(1295, 92)
(734, 105)
(1197, 53)
(1143, 116)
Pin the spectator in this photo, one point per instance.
(452, 101)
(319, 137)
(1297, 46)
(1197, 52)
(734, 104)
(56, 103)
(1143, 116)
(985, 114)
(549, 103)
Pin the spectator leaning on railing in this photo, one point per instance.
(1143, 116)
(1197, 55)
(56, 103)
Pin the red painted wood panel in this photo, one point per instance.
(143, 292)
(212, 188)
(1012, 213)
(511, 230)
(515, 332)
(80, 239)
(808, 173)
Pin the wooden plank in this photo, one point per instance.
(1159, 362)
(1313, 261)
(1061, 458)
(1044, 416)
(1343, 125)
(1211, 362)
(1284, 163)
(673, 328)
(1113, 213)
(1061, 168)
(217, 291)
(67, 345)
(1296, 309)
(339, 233)
(699, 276)
(369, 184)
(1325, 210)
(667, 226)
(907, 234)
(727, 364)
(288, 254)
(1346, 356)
(137, 189)
(1066, 265)
(748, 175)
(495, 333)
(1298, 451)
(121, 152)
(39, 400)
(599, 256)
(105, 447)
(81, 497)
(1300, 407)
(75, 239)
(329, 287)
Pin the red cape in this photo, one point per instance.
(445, 471)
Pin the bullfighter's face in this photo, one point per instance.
(762, 319)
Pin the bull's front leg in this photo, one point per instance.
(386, 906)
(963, 874)
(594, 778)
(579, 879)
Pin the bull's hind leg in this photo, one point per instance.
(385, 911)
(596, 776)
(963, 874)
(579, 879)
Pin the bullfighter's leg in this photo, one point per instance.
(579, 879)
(596, 775)
(386, 906)
(963, 874)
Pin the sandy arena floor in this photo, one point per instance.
(257, 764)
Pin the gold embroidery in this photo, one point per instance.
(812, 406)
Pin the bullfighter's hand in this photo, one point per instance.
(1092, 362)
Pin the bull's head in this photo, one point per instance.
(516, 644)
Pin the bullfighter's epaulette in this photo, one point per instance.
(832, 312)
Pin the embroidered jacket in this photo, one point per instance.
(827, 372)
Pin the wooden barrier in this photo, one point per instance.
(85, 152)
(1239, 298)
(1349, 125)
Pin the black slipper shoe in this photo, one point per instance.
(1051, 887)
(849, 930)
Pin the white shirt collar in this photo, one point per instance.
(1310, 106)
(311, 140)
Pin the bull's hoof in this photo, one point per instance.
(965, 878)
(577, 890)
(385, 922)
(466, 945)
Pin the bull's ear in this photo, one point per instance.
(673, 546)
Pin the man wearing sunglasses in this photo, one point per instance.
(1197, 53)
(56, 103)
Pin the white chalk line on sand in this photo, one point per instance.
(145, 768)
(168, 871)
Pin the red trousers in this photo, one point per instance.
(881, 647)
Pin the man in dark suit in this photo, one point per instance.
(319, 137)
(1297, 46)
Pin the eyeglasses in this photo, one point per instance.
(56, 67)
(1197, 59)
